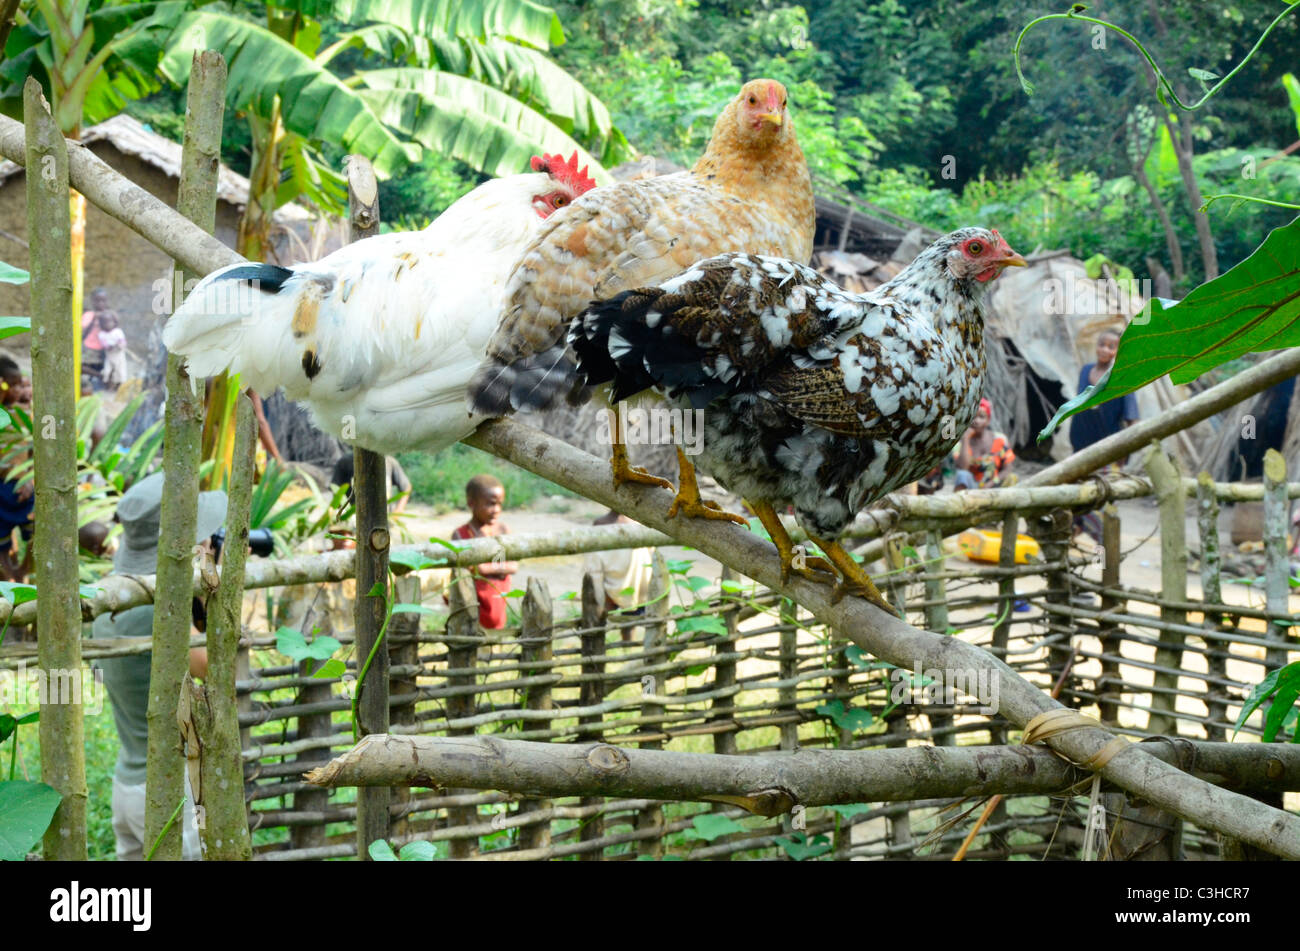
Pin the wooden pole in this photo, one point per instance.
(369, 486)
(771, 783)
(196, 199)
(536, 634)
(656, 633)
(591, 693)
(1164, 474)
(219, 800)
(1216, 660)
(936, 619)
(463, 637)
(1111, 683)
(54, 546)
(404, 654)
(1277, 566)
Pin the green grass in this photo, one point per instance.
(439, 479)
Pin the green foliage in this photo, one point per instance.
(1253, 307)
(381, 851)
(13, 275)
(439, 479)
(1282, 686)
(711, 825)
(26, 810)
(800, 847)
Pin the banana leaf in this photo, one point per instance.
(1252, 308)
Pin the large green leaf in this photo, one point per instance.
(1253, 307)
(523, 20)
(313, 102)
(13, 275)
(468, 120)
(25, 813)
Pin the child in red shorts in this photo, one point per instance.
(485, 496)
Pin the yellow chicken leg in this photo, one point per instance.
(853, 580)
(624, 471)
(688, 500)
(814, 569)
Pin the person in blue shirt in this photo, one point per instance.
(1094, 425)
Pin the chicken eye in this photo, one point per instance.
(559, 201)
(974, 249)
(752, 100)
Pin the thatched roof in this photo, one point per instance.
(133, 138)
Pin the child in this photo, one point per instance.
(485, 495)
(113, 340)
(983, 457)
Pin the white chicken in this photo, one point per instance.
(380, 338)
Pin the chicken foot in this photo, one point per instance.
(853, 578)
(814, 568)
(688, 500)
(624, 471)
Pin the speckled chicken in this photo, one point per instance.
(750, 191)
(811, 395)
(379, 338)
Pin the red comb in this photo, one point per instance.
(565, 171)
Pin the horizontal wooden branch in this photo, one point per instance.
(130, 204)
(766, 783)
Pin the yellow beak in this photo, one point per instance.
(772, 117)
(1014, 261)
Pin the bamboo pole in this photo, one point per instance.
(1173, 581)
(54, 546)
(196, 199)
(770, 783)
(219, 799)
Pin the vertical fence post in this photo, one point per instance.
(403, 651)
(1168, 484)
(787, 695)
(196, 199)
(536, 632)
(591, 693)
(936, 619)
(723, 709)
(369, 485)
(1216, 658)
(463, 638)
(1277, 567)
(656, 633)
(218, 801)
(1111, 684)
(58, 609)
(1053, 531)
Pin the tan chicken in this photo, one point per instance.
(750, 191)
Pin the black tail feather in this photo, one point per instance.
(615, 344)
(269, 278)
